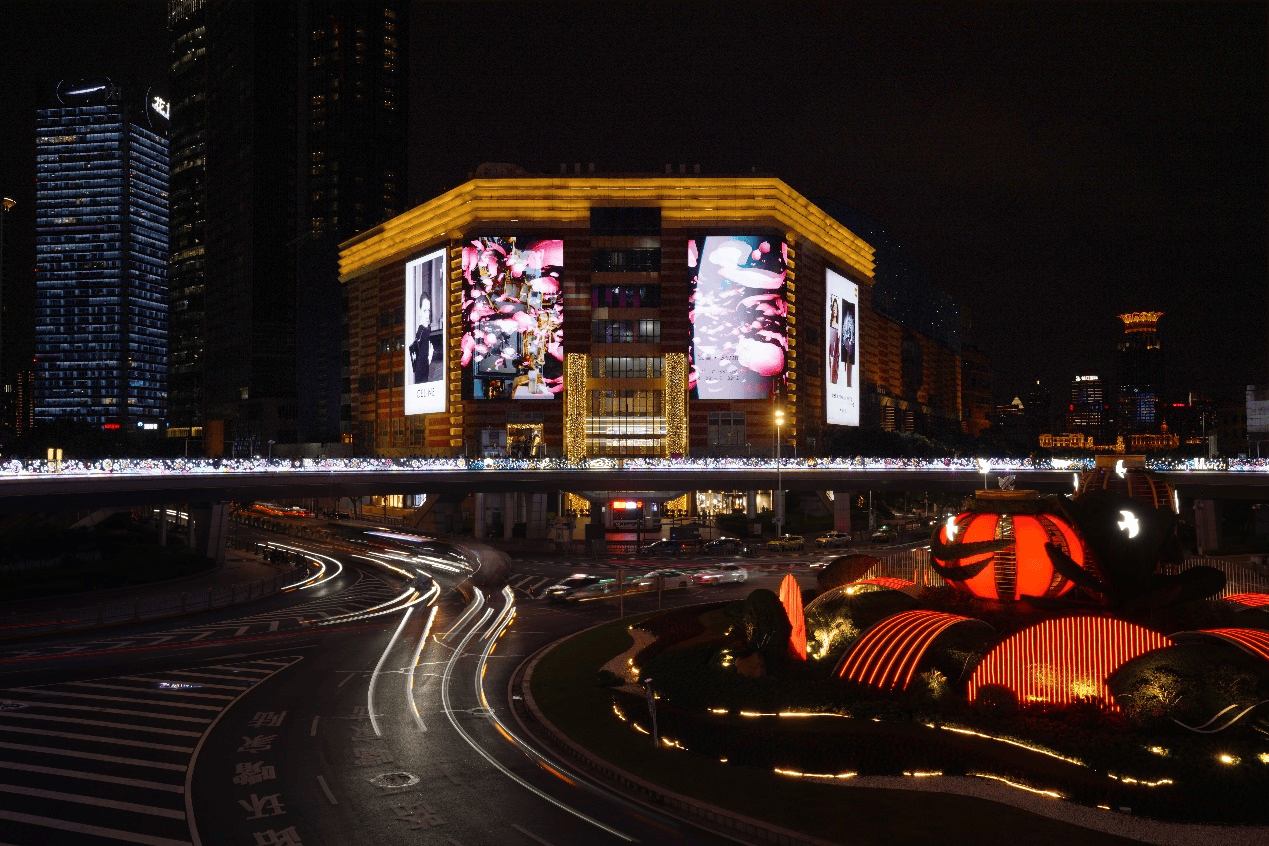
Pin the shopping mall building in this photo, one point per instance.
(587, 316)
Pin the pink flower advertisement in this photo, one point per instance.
(513, 318)
(739, 316)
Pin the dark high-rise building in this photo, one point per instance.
(101, 253)
(6, 204)
(1140, 362)
(303, 146)
(187, 20)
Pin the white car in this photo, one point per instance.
(720, 574)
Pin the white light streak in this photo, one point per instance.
(374, 677)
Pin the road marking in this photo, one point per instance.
(273, 627)
(530, 835)
(145, 689)
(132, 807)
(200, 635)
(241, 631)
(169, 703)
(123, 711)
(312, 732)
(104, 724)
(156, 641)
(346, 678)
(94, 830)
(131, 782)
(538, 585)
(200, 684)
(93, 756)
(326, 789)
(118, 741)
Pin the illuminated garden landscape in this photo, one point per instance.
(1051, 644)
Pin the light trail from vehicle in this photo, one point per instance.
(374, 676)
(414, 664)
(500, 625)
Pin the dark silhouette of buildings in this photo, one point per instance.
(1140, 363)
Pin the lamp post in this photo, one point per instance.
(779, 492)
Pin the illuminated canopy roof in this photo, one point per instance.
(565, 201)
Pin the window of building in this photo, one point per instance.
(626, 331)
(625, 296)
(626, 260)
(634, 367)
(726, 429)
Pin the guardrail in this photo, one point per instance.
(136, 610)
(17, 468)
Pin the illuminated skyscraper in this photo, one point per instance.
(1140, 361)
(101, 253)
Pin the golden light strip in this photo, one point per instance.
(567, 201)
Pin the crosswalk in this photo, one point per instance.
(356, 598)
(106, 759)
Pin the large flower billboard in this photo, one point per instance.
(513, 318)
(739, 316)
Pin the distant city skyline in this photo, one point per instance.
(1047, 167)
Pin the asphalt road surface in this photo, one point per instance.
(332, 714)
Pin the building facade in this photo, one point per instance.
(101, 257)
(598, 316)
(1087, 411)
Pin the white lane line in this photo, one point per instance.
(130, 782)
(519, 580)
(95, 738)
(156, 641)
(273, 626)
(345, 681)
(94, 830)
(244, 667)
(200, 636)
(326, 789)
(312, 732)
(148, 689)
(126, 726)
(99, 698)
(530, 835)
(126, 712)
(93, 756)
(241, 630)
(534, 589)
(374, 677)
(131, 807)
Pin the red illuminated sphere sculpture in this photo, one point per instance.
(996, 550)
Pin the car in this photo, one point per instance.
(670, 547)
(577, 587)
(786, 542)
(720, 574)
(668, 578)
(831, 539)
(725, 546)
(885, 534)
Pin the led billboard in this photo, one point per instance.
(739, 316)
(842, 358)
(513, 318)
(425, 334)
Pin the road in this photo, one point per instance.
(324, 716)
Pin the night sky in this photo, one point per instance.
(1047, 165)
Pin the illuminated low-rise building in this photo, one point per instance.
(592, 316)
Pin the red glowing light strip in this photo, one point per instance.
(1254, 641)
(1250, 600)
(888, 653)
(1074, 649)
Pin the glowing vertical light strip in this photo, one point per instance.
(374, 677)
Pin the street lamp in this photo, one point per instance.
(779, 503)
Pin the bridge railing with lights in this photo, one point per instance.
(30, 468)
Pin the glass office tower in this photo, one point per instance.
(101, 257)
